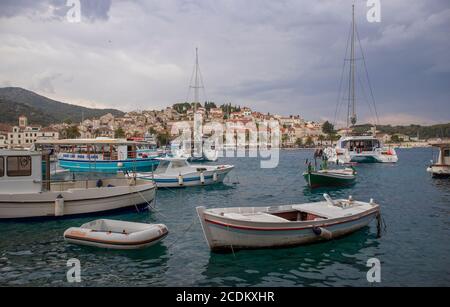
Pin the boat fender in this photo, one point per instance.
(99, 183)
(322, 232)
(180, 179)
(59, 205)
(202, 178)
(214, 177)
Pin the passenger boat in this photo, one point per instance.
(115, 234)
(27, 191)
(441, 168)
(103, 154)
(282, 226)
(178, 172)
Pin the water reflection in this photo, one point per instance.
(304, 265)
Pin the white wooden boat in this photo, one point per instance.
(177, 172)
(441, 168)
(26, 190)
(116, 234)
(288, 225)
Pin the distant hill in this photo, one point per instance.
(41, 110)
(424, 132)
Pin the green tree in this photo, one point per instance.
(327, 128)
(395, 139)
(68, 121)
(119, 133)
(163, 138)
(321, 139)
(309, 141)
(72, 132)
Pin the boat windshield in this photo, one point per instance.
(178, 163)
(361, 145)
(162, 167)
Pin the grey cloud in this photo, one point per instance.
(277, 56)
(91, 10)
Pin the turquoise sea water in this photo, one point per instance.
(414, 250)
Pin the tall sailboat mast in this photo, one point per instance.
(196, 85)
(351, 111)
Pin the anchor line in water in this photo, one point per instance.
(194, 220)
(149, 205)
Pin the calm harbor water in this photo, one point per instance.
(414, 250)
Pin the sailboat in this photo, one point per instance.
(196, 155)
(352, 148)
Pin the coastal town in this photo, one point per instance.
(157, 125)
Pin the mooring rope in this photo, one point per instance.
(194, 220)
(149, 204)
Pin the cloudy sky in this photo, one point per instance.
(283, 56)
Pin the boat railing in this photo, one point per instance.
(63, 185)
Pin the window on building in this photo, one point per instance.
(18, 166)
(447, 153)
(2, 166)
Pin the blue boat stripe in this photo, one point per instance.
(184, 179)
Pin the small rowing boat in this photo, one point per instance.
(115, 234)
(330, 177)
(281, 226)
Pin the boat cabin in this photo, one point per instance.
(22, 171)
(444, 152)
(100, 149)
(360, 144)
(172, 166)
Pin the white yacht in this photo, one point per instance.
(26, 190)
(358, 148)
(178, 172)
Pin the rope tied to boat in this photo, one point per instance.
(194, 220)
(381, 225)
(149, 205)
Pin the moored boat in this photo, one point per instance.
(103, 154)
(441, 168)
(27, 191)
(330, 177)
(360, 149)
(115, 234)
(355, 147)
(287, 225)
(177, 172)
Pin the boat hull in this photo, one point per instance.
(225, 235)
(315, 179)
(439, 171)
(76, 202)
(190, 180)
(143, 239)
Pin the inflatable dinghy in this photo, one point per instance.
(116, 234)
